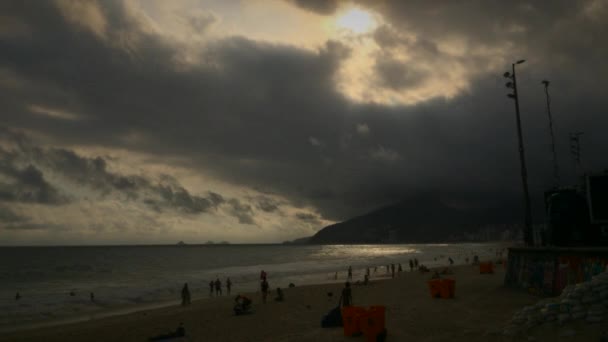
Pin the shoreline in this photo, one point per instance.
(161, 304)
(298, 318)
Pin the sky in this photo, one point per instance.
(151, 121)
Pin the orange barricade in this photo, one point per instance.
(486, 267)
(435, 287)
(448, 288)
(372, 322)
(351, 319)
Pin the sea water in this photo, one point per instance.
(55, 282)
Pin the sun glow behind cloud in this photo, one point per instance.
(356, 20)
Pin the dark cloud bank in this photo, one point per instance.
(248, 112)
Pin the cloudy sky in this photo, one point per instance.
(156, 121)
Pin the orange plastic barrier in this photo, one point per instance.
(448, 288)
(351, 319)
(486, 267)
(372, 322)
(435, 287)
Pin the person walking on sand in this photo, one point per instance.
(185, 295)
(264, 287)
(350, 273)
(211, 287)
(411, 265)
(346, 298)
(228, 285)
(218, 287)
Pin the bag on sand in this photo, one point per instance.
(332, 319)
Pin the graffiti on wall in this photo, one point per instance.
(547, 274)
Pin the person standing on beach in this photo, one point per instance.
(367, 272)
(185, 295)
(393, 270)
(451, 261)
(399, 269)
(17, 296)
(228, 285)
(211, 287)
(218, 287)
(92, 296)
(346, 298)
(411, 265)
(415, 263)
(350, 273)
(263, 275)
(264, 287)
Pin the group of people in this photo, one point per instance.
(213, 286)
(217, 287)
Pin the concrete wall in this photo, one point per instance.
(546, 271)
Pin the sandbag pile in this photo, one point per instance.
(585, 301)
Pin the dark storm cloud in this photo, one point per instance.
(8, 216)
(307, 217)
(241, 211)
(396, 75)
(318, 6)
(25, 184)
(29, 184)
(247, 112)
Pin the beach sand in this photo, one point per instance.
(479, 312)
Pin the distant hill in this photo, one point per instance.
(421, 219)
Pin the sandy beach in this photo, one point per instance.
(479, 312)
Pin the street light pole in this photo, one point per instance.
(555, 165)
(528, 237)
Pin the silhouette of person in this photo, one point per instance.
(211, 287)
(411, 265)
(415, 263)
(17, 296)
(280, 297)
(263, 275)
(346, 298)
(228, 285)
(336, 276)
(185, 295)
(218, 287)
(399, 269)
(393, 270)
(92, 296)
(350, 273)
(264, 287)
(451, 261)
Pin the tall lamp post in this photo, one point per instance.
(555, 165)
(528, 238)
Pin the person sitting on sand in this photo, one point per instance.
(179, 332)
(242, 305)
(280, 297)
(346, 299)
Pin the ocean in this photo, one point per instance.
(130, 278)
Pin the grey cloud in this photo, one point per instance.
(267, 204)
(8, 216)
(26, 184)
(246, 113)
(309, 218)
(243, 212)
(325, 7)
(397, 74)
